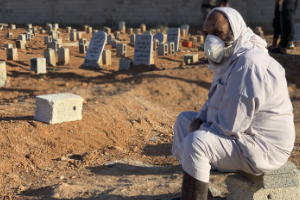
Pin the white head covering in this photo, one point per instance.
(241, 32)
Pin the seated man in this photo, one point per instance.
(247, 122)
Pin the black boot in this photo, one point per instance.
(192, 189)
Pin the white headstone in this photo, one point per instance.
(297, 32)
(186, 27)
(160, 37)
(173, 36)
(143, 49)
(93, 55)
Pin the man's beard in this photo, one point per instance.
(228, 51)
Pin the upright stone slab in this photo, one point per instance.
(83, 48)
(185, 27)
(160, 37)
(106, 57)
(82, 41)
(79, 35)
(143, 27)
(63, 56)
(130, 31)
(114, 43)
(28, 26)
(162, 49)
(90, 30)
(173, 36)
(73, 36)
(155, 44)
(55, 27)
(93, 55)
(49, 28)
(68, 29)
(12, 54)
(58, 108)
(107, 30)
(143, 49)
(3, 74)
(122, 26)
(110, 38)
(38, 65)
(95, 31)
(49, 54)
(138, 31)
(132, 39)
(9, 35)
(54, 45)
(182, 33)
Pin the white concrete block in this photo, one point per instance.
(38, 65)
(58, 108)
(3, 73)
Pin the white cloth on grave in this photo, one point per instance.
(248, 120)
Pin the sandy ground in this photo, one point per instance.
(121, 149)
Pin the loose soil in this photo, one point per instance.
(121, 149)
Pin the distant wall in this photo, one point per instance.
(134, 12)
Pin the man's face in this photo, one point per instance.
(216, 24)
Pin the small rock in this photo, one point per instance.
(61, 177)
(64, 158)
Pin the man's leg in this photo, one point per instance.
(276, 26)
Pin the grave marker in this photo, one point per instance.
(160, 37)
(106, 55)
(185, 27)
(173, 36)
(63, 56)
(122, 26)
(94, 52)
(38, 65)
(143, 49)
(12, 54)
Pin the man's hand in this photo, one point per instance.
(195, 125)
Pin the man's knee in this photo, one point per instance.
(198, 142)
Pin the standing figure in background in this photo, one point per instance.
(208, 5)
(283, 25)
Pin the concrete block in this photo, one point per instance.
(130, 31)
(171, 48)
(121, 49)
(90, 30)
(182, 33)
(38, 65)
(73, 30)
(28, 26)
(200, 38)
(8, 46)
(138, 31)
(20, 44)
(73, 36)
(3, 74)
(124, 64)
(194, 40)
(49, 54)
(12, 26)
(114, 43)
(79, 35)
(132, 39)
(55, 34)
(28, 36)
(286, 176)
(110, 39)
(155, 44)
(63, 56)
(162, 49)
(122, 26)
(107, 30)
(54, 45)
(22, 37)
(49, 28)
(47, 39)
(9, 35)
(42, 31)
(85, 27)
(117, 35)
(95, 31)
(191, 59)
(143, 27)
(241, 188)
(158, 30)
(55, 27)
(58, 108)
(106, 57)
(83, 48)
(82, 41)
(12, 54)
(185, 27)
(29, 30)
(68, 29)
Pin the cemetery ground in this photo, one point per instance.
(121, 149)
